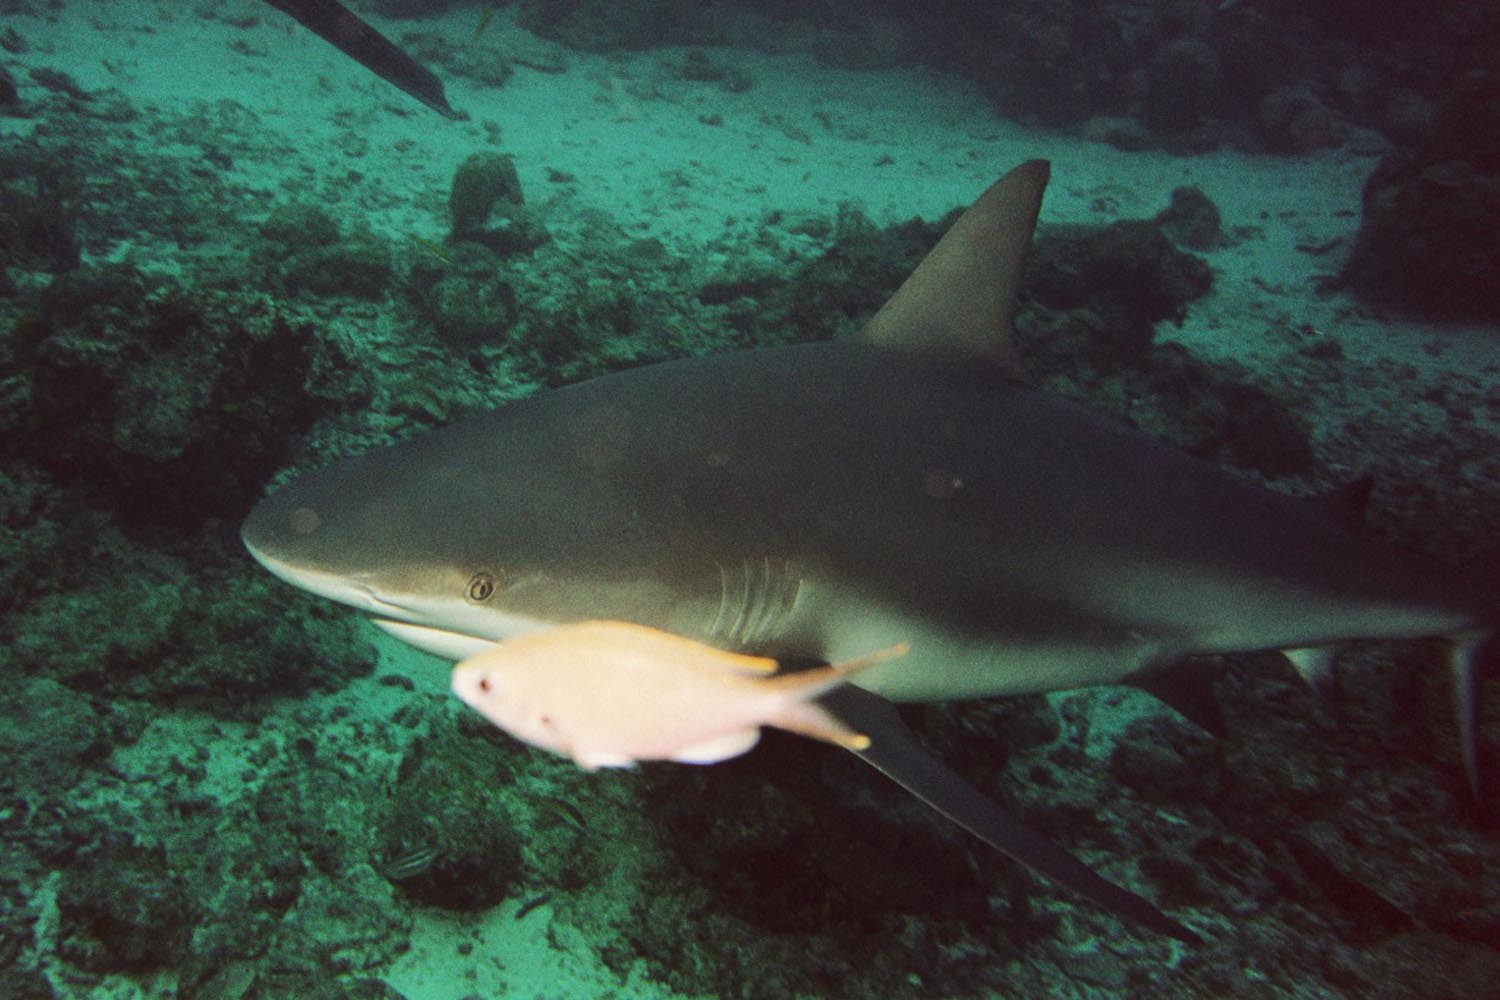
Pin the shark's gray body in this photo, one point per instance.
(820, 501)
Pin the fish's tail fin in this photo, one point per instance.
(802, 714)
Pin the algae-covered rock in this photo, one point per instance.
(482, 181)
(297, 226)
(231, 641)
(47, 733)
(305, 253)
(837, 292)
(1292, 119)
(359, 266)
(124, 910)
(1186, 82)
(344, 925)
(468, 311)
(1127, 273)
(39, 212)
(487, 207)
(1192, 219)
(173, 404)
(451, 841)
(1429, 236)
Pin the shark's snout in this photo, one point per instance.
(274, 526)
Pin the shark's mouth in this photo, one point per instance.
(333, 586)
(429, 630)
(448, 644)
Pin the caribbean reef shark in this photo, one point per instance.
(815, 502)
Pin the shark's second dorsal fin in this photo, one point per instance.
(961, 298)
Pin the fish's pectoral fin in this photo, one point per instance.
(719, 748)
(894, 752)
(593, 760)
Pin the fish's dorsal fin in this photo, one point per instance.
(962, 297)
(654, 643)
(807, 684)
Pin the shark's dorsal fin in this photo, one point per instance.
(962, 297)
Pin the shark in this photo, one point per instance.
(906, 486)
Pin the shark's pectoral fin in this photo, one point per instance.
(343, 28)
(1186, 687)
(897, 754)
(1463, 664)
(1314, 664)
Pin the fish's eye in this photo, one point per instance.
(485, 685)
(481, 588)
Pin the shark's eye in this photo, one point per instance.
(481, 588)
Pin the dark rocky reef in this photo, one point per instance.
(603, 25)
(304, 252)
(1184, 75)
(1127, 276)
(450, 841)
(155, 397)
(1429, 239)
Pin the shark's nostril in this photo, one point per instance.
(304, 521)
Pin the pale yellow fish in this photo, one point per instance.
(608, 694)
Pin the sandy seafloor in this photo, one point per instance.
(803, 138)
